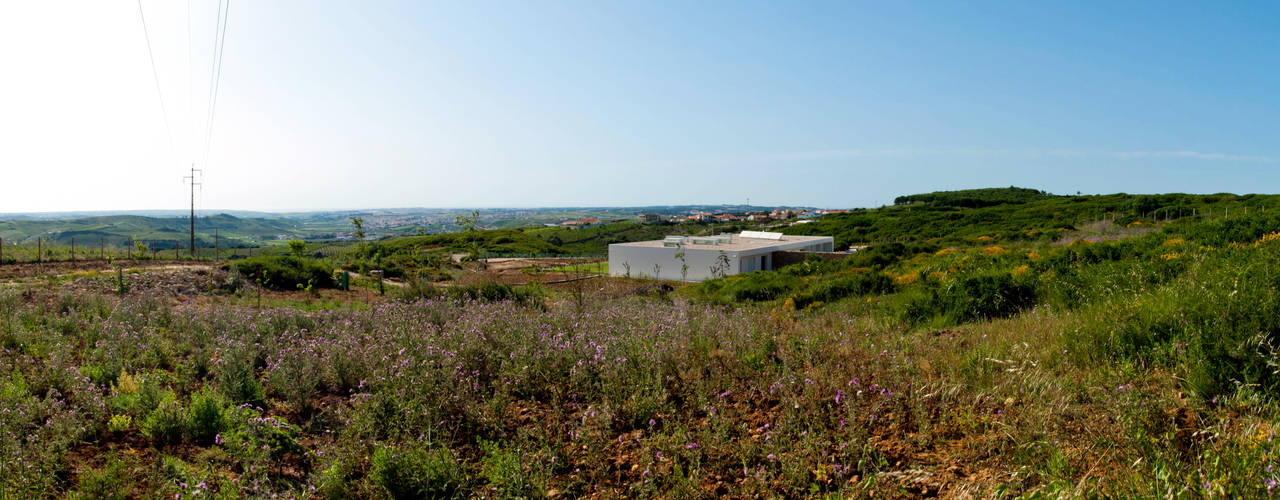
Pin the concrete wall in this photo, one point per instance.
(700, 261)
(642, 260)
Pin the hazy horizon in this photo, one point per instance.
(322, 105)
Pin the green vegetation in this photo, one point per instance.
(285, 272)
(1105, 361)
(975, 198)
(595, 240)
(157, 232)
(1040, 218)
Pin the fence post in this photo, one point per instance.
(102, 248)
(175, 249)
(73, 249)
(40, 251)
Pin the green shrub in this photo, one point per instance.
(492, 292)
(505, 470)
(845, 286)
(111, 482)
(418, 289)
(971, 299)
(206, 417)
(759, 286)
(167, 424)
(286, 272)
(236, 378)
(138, 395)
(1223, 317)
(260, 442)
(119, 424)
(334, 481)
(411, 472)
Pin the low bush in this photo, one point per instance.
(492, 292)
(418, 289)
(260, 443)
(207, 417)
(756, 287)
(112, 481)
(285, 272)
(413, 472)
(971, 299)
(167, 424)
(845, 286)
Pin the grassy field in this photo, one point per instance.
(1101, 362)
(586, 267)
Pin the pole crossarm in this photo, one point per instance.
(192, 180)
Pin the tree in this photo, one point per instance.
(721, 267)
(297, 247)
(468, 222)
(475, 244)
(684, 267)
(140, 247)
(358, 222)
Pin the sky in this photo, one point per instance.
(336, 104)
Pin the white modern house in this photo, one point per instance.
(706, 257)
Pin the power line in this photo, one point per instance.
(191, 91)
(164, 112)
(215, 72)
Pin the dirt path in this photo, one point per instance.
(63, 268)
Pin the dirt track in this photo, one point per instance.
(10, 272)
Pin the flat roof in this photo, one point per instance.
(739, 243)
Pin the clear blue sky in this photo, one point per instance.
(335, 104)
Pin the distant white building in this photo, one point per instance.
(706, 257)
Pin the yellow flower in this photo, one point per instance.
(1267, 239)
(1033, 257)
(994, 250)
(1171, 242)
(946, 251)
(907, 279)
(1020, 270)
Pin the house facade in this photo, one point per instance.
(697, 258)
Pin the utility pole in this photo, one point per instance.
(192, 179)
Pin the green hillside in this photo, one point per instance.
(973, 198)
(1039, 218)
(158, 232)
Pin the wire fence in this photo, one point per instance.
(99, 249)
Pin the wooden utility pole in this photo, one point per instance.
(192, 179)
